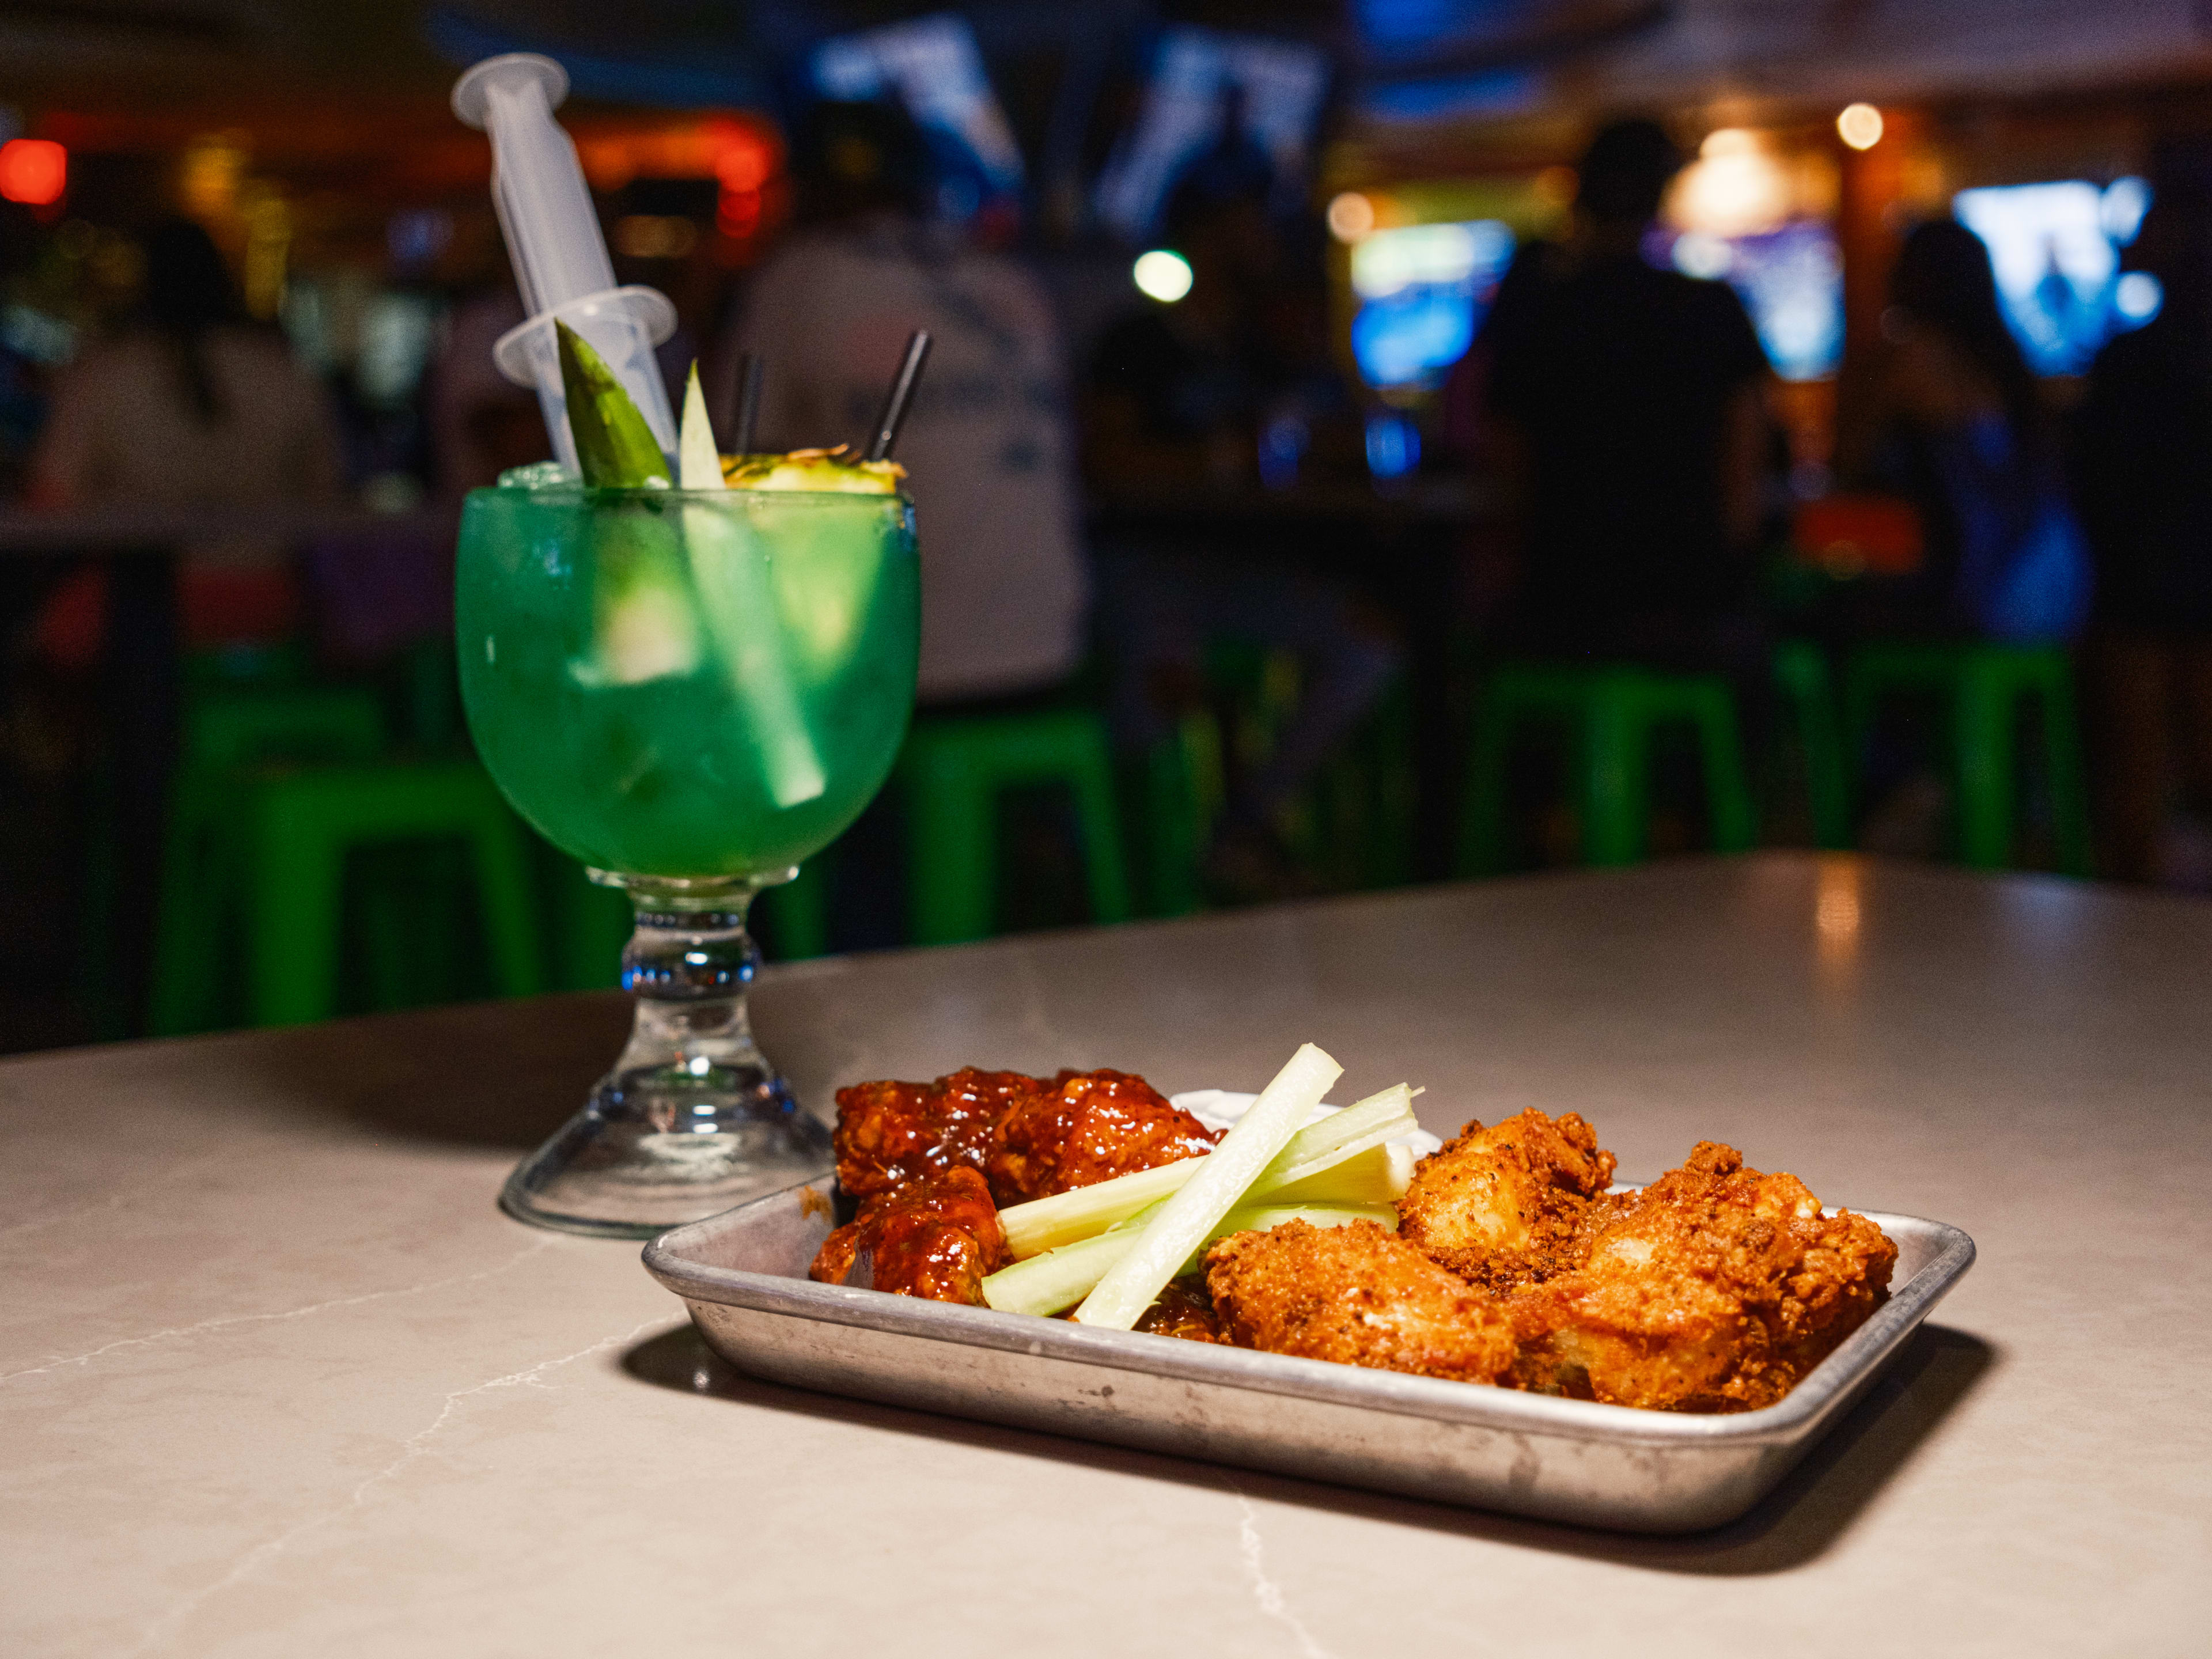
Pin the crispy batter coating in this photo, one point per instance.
(1716, 1290)
(1513, 1203)
(934, 1237)
(1090, 1127)
(889, 1134)
(1359, 1295)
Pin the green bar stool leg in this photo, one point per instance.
(1174, 836)
(499, 861)
(1614, 805)
(952, 867)
(1482, 805)
(1729, 801)
(1801, 671)
(1983, 764)
(1106, 873)
(594, 925)
(297, 868)
(390, 917)
(799, 910)
(198, 873)
(2070, 792)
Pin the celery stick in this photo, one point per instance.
(1369, 1123)
(730, 570)
(1058, 1280)
(1377, 1175)
(1223, 1177)
(1045, 1223)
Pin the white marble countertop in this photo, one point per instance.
(275, 1378)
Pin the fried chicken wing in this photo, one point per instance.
(1085, 1127)
(1359, 1295)
(933, 1237)
(889, 1134)
(1513, 1203)
(1716, 1291)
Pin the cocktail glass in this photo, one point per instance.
(691, 691)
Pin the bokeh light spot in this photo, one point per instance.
(1162, 275)
(1860, 127)
(34, 171)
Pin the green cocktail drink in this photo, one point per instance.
(691, 691)
(685, 684)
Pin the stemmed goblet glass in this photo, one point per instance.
(692, 692)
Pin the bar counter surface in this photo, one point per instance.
(277, 1378)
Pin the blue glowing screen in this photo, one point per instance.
(2056, 251)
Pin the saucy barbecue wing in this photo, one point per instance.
(932, 1162)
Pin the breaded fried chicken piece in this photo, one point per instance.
(1085, 1127)
(889, 1134)
(935, 1238)
(1716, 1291)
(1359, 1295)
(1513, 1203)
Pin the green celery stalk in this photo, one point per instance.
(1045, 1223)
(730, 570)
(1057, 1280)
(615, 447)
(1223, 1178)
(1377, 1175)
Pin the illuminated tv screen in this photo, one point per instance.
(1423, 290)
(1790, 279)
(2055, 251)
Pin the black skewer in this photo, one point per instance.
(901, 394)
(751, 368)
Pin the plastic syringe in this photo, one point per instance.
(560, 257)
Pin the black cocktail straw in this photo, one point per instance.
(901, 394)
(749, 369)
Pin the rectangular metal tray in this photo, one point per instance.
(743, 1275)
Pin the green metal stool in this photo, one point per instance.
(799, 910)
(1984, 685)
(225, 730)
(1807, 696)
(1179, 782)
(302, 824)
(953, 771)
(1612, 710)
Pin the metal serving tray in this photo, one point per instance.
(743, 1274)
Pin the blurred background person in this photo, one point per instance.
(986, 444)
(197, 408)
(2144, 432)
(1180, 402)
(1628, 422)
(1954, 421)
(481, 423)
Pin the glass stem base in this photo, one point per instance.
(692, 1120)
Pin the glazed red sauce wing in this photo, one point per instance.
(1088, 1126)
(889, 1134)
(934, 1237)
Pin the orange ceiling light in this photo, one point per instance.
(34, 171)
(740, 153)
